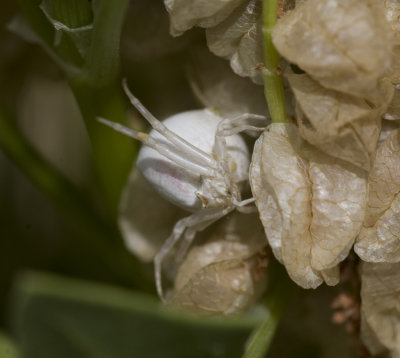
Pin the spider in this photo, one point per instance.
(196, 160)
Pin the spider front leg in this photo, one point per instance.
(187, 227)
(246, 121)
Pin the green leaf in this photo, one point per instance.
(59, 317)
(7, 347)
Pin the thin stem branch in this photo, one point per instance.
(273, 84)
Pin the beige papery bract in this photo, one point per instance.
(227, 272)
(217, 87)
(344, 45)
(339, 124)
(380, 308)
(239, 39)
(311, 205)
(233, 30)
(184, 14)
(379, 240)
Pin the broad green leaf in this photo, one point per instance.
(59, 317)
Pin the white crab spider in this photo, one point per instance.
(197, 161)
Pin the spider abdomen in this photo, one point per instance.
(176, 183)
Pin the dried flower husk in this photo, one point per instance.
(217, 87)
(226, 274)
(380, 310)
(392, 12)
(393, 110)
(145, 218)
(184, 14)
(239, 39)
(311, 204)
(342, 125)
(233, 30)
(379, 240)
(345, 45)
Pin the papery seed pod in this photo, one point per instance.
(344, 45)
(393, 110)
(311, 205)
(380, 310)
(344, 126)
(392, 12)
(379, 240)
(217, 87)
(184, 14)
(239, 39)
(226, 274)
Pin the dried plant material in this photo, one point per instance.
(379, 240)
(393, 110)
(392, 12)
(184, 14)
(344, 45)
(311, 205)
(345, 126)
(227, 273)
(388, 126)
(217, 87)
(239, 39)
(380, 310)
(145, 218)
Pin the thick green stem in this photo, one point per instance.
(273, 83)
(102, 64)
(93, 74)
(72, 13)
(37, 20)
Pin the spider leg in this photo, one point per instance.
(242, 206)
(197, 154)
(182, 159)
(192, 224)
(246, 121)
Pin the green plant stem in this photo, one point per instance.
(277, 299)
(102, 66)
(273, 84)
(101, 239)
(97, 90)
(94, 80)
(38, 21)
(72, 13)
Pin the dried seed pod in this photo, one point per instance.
(227, 273)
(393, 110)
(217, 87)
(184, 14)
(339, 124)
(380, 310)
(379, 240)
(392, 12)
(140, 205)
(344, 45)
(239, 39)
(311, 205)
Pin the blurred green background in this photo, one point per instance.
(57, 210)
